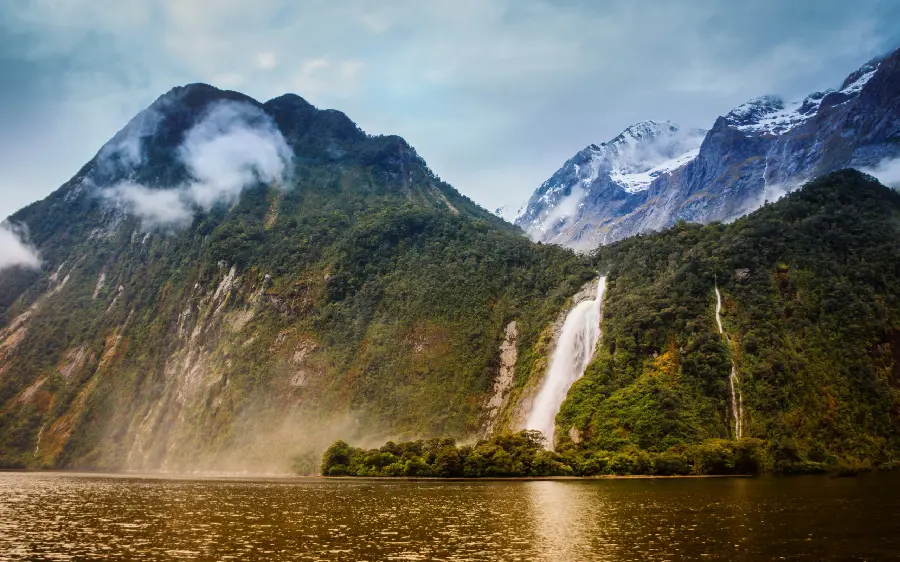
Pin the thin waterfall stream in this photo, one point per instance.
(574, 350)
(737, 401)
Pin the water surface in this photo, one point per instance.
(84, 517)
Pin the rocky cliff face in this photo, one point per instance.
(755, 153)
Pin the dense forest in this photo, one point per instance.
(811, 310)
(524, 454)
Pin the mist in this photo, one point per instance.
(233, 147)
(887, 172)
(653, 152)
(155, 207)
(125, 151)
(15, 250)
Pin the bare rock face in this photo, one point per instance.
(756, 153)
(575, 435)
(505, 376)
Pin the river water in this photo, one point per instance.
(85, 517)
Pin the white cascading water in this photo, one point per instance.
(737, 401)
(574, 350)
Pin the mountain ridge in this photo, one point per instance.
(754, 153)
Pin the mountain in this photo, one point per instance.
(810, 314)
(230, 285)
(771, 344)
(605, 180)
(755, 153)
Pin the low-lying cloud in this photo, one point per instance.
(887, 172)
(155, 207)
(233, 147)
(15, 250)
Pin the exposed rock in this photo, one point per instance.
(505, 376)
(575, 435)
(73, 360)
(100, 282)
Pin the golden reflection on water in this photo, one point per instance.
(70, 517)
(558, 514)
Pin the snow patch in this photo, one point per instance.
(770, 115)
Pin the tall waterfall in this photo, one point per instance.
(737, 401)
(574, 350)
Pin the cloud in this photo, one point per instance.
(126, 149)
(235, 145)
(495, 94)
(162, 208)
(15, 249)
(887, 171)
(567, 209)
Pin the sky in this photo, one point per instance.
(494, 94)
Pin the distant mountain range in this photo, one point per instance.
(655, 174)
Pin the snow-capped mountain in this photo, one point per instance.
(612, 174)
(655, 174)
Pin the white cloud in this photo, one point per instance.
(15, 249)
(155, 207)
(231, 148)
(887, 171)
(482, 88)
(567, 209)
(234, 146)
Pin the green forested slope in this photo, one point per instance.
(811, 304)
(364, 297)
(811, 309)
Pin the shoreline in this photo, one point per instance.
(290, 477)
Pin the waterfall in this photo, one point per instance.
(737, 401)
(574, 350)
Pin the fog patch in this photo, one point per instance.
(646, 154)
(125, 151)
(291, 444)
(232, 148)
(15, 249)
(164, 208)
(567, 208)
(887, 172)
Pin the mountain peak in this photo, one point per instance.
(645, 130)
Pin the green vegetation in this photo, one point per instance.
(811, 308)
(523, 455)
(366, 297)
(366, 294)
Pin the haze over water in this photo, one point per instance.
(64, 516)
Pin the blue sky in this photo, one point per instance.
(494, 94)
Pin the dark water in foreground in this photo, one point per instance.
(63, 516)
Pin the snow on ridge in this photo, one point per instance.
(770, 115)
(650, 149)
(639, 181)
(632, 161)
(857, 85)
(763, 115)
